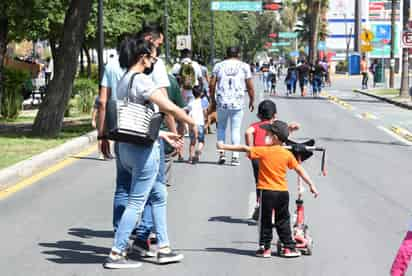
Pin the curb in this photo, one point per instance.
(15, 173)
(403, 105)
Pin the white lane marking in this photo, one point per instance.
(395, 136)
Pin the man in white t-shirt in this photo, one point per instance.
(230, 79)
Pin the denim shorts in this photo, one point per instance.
(201, 134)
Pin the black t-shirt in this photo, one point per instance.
(318, 70)
(303, 71)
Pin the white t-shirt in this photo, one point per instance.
(196, 68)
(231, 76)
(195, 109)
(159, 74)
(141, 89)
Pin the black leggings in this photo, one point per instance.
(279, 202)
(365, 78)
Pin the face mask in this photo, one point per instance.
(149, 70)
(268, 140)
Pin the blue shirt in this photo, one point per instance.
(112, 75)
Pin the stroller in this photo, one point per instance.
(304, 241)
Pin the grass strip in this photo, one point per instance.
(15, 147)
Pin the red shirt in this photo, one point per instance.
(259, 134)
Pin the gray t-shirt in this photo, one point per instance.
(142, 87)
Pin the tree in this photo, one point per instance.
(49, 119)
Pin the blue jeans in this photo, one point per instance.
(317, 84)
(121, 194)
(141, 163)
(155, 213)
(235, 116)
(201, 134)
(266, 81)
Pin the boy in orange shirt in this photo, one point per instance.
(274, 160)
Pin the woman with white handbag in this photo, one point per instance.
(136, 129)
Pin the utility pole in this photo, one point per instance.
(392, 58)
(404, 91)
(212, 38)
(100, 36)
(166, 24)
(358, 23)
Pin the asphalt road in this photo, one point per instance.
(61, 225)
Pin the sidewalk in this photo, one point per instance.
(390, 98)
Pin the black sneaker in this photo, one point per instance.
(222, 159)
(169, 257)
(119, 261)
(142, 248)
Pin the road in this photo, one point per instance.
(61, 225)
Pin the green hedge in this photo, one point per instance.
(12, 98)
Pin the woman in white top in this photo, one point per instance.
(141, 161)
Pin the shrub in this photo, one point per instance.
(342, 66)
(84, 91)
(12, 98)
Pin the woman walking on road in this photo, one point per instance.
(140, 161)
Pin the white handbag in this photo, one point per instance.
(132, 122)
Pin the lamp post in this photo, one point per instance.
(100, 36)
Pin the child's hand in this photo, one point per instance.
(314, 191)
(220, 145)
(293, 126)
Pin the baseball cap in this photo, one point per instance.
(266, 109)
(279, 128)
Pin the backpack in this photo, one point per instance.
(187, 76)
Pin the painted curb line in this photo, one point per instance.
(403, 105)
(15, 173)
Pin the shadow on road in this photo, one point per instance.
(86, 233)
(75, 252)
(229, 219)
(214, 163)
(235, 251)
(307, 98)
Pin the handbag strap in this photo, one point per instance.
(129, 86)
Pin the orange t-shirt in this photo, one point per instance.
(273, 164)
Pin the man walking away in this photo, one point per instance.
(303, 76)
(230, 79)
